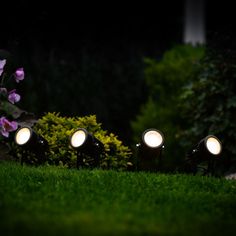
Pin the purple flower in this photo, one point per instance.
(13, 96)
(2, 64)
(19, 74)
(6, 126)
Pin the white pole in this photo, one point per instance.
(194, 22)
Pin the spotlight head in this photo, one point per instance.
(82, 140)
(23, 135)
(26, 137)
(152, 138)
(213, 145)
(208, 147)
(78, 138)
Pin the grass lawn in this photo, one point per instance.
(54, 201)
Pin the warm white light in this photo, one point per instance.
(213, 146)
(78, 138)
(23, 136)
(153, 138)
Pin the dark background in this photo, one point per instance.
(83, 59)
(67, 24)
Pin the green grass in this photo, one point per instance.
(54, 201)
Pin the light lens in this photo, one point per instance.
(213, 145)
(78, 138)
(153, 138)
(23, 136)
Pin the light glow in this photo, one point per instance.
(22, 136)
(213, 146)
(153, 138)
(78, 138)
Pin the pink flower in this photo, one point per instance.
(19, 74)
(13, 96)
(2, 64)
(6, 126)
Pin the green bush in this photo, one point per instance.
(209, 103)
(57, 130)
(165, 79)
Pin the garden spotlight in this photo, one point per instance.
(206, 150)
(23, 135)
(150, 150)
(26, 138)
(88, 147)
(153, 138)
(213, 145)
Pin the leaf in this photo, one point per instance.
(4, 151)
(11, 110)
(231, 102)
(27, 119)
(21, 116)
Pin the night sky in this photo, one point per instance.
(152, 26)
(67, 25)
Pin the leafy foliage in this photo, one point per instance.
(57, 130)
(165, 79)
(209, 102)
(8, 97)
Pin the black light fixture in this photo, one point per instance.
(88, 147)
(28, 140)
(206, 150)
(150, 150)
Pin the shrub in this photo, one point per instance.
(57, 130)
(165, 79)
(209, 102)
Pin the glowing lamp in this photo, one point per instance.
(26, 138)
(213, 145)
(88, 147)
(150, 150)
(79, 138)
(208, 147)
(207, 150)
(152, 138)
(23, 135)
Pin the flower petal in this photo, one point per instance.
(6, 126)
(19, 74)
(13, 97)
(2, 64)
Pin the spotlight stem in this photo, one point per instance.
(21, 160)
(211, 167)
(79, 161)
(160, 159)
